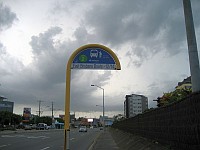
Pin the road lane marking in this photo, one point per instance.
(45, 148)
(5, 136)
(23, 136)
(3, 145)
(72, 139)
(94, 141)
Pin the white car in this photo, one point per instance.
(83, 129)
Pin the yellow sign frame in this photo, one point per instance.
(68, 78)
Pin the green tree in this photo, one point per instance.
(44, 119)
(171, 97)
(118, 117)
(7, 118)
(60, 120)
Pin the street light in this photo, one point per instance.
(103, 104)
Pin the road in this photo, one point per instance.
(47, 140)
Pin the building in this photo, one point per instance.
(135, 104)
(185, 84)
(71, 120)
(6, 105)
(108, 121)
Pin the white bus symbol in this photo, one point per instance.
(94, 53)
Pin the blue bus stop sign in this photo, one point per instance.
(94, 58)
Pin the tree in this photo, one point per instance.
(44, 119)
(171, 97)
(60, 120)
(118, 118)
(8, 118)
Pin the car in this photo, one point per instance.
(101, 128)
(33, 126)
(27, 127)
(42, 126)
(83, 129)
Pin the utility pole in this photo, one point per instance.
(52, 114)
(39, 107)
(192, 46)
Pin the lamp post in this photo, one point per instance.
(103, 105)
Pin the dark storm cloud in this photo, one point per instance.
(6, 17)
(44, 78)
(149, 27)
(153, 26)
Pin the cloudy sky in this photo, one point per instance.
(37, 38)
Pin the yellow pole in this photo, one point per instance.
(68, 78)
(67, 105)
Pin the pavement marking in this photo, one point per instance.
(3, 145)
(94, 141)
(23, 136)
(45, 148)
(37, 137)
(5, 136)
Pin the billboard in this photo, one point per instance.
(90, 119)
(26, 114)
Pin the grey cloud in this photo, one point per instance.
(44, 78)
(6, 17)
(137, 55)
(156, 26)
(2, 49)
(81, 90)
(8, 64)
(44, 42)
(158, 88)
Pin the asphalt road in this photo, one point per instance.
(47, 140)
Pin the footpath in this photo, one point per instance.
(113, 139)
(104, 141)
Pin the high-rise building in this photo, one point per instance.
(135, 104)
(6, 105)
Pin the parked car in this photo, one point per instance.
(27, 127)
(42, 126)
(83, 129)
(34, 126)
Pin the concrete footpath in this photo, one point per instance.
(104, 141)
(113, 139)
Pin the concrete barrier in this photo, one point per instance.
(128, 141)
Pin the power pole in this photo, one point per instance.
(192, 46)
(52, 114)
(39, 107)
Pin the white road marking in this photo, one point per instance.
(72, 139)
(23, 136)
(12, 136)
(7, 136)
(45, 148)
(3, 145)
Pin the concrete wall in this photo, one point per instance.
(177, 125)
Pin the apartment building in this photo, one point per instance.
(135, 104)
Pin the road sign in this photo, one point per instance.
(91, 56)
(94, 58)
